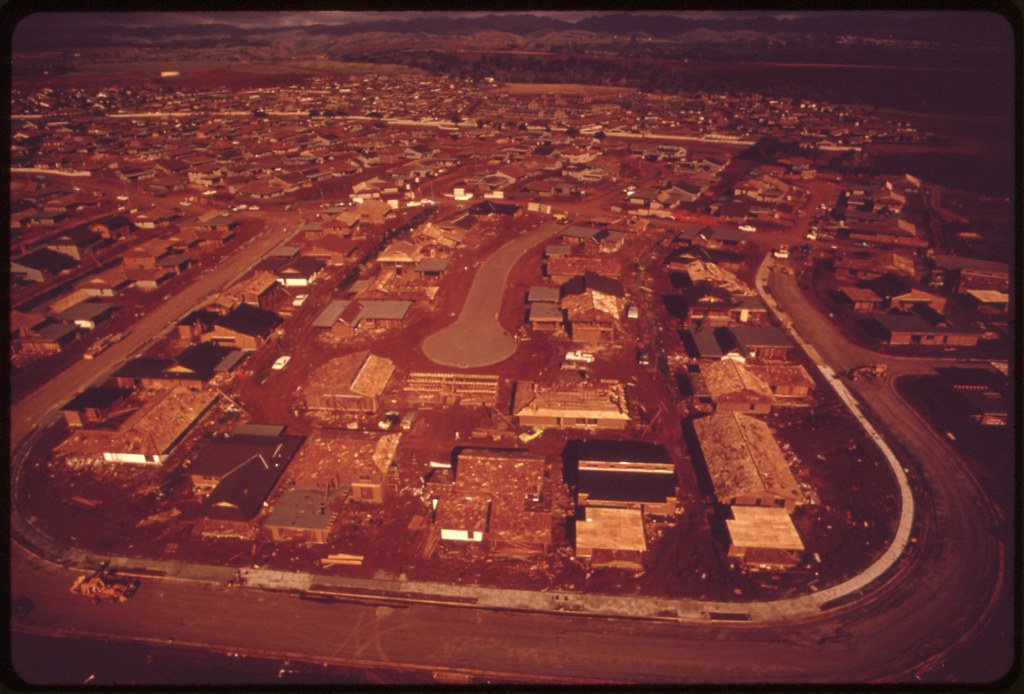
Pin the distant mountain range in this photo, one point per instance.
(941, 27)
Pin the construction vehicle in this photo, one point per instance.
(871, 370)
(102, 585)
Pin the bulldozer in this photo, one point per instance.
(103, 585)
(870, 370)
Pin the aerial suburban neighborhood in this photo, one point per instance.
(359, 335)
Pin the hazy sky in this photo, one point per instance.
(292, 18)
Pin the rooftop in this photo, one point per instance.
(743, 457)
(580, 402)
(728, 376)
(763, 527)
(610, 528)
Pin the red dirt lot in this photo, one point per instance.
(846, 528)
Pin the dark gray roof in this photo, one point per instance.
(250, 320)
(984, 402)
(383, 309)
(222, 455)
(432, 265)
(545, 311)
(303, 266)
(580, 232)
(590, 281)
(950, 262)
(251, 429)
(56, 331)
(96, 397)
(727, 235)
(303, 509)
(557, 250)
(241, 492)
(751, 302)
(329, 316)
(621, 451)
(490, 207)
(45, 259)
(143, 367)
(87, 310)
(702, 343)
(543, 294)
(916, 323)
(904, 323)
(755, 336)
(204, 358)
(637, 487)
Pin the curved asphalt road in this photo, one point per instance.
(933, 604)
(477, 338)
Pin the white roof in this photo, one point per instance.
(763, 527)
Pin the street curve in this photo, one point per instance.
(477, 337)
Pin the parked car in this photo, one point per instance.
(281, 362)
(409, 420)
(389, 420)
(299, 300)
(580, 356)
(531, 434)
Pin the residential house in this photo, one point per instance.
(203, 361)
(972, 273)
(509, 484)
(571, 405)
(78, 243)
(563, 267)
(48, 337)
(763, 539)
(912, 329)
(93, 405)
(351, 383)
(41, 265)
(763, 343)
(784, 380)
(593, 306)
(611, 537)
(301, 271)
(746, 465)
(447, 388)
(222, 457)
(87, 314)
(150, 434)
(243, 468)
(246, 327)
(622, 474)
(733, 387)
(332, 467)
(106, 283)
(862, 300)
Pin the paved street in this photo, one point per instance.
(903, 627)
(35, 407)
(899, 630)
(477, 337)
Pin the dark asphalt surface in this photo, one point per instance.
(904, 628)
(32, 409)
